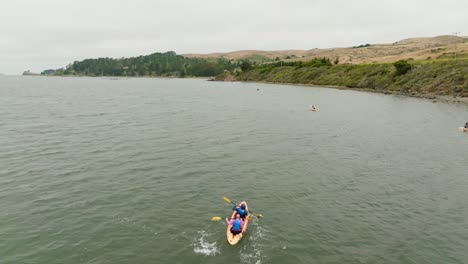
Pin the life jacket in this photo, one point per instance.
(242, 212)
(237, 225)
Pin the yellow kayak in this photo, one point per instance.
(234, 239)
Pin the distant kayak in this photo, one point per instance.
(463, 129)
(313, 108)
(234, 239)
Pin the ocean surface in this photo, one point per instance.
(115, 170)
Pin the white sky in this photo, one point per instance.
(42, 34)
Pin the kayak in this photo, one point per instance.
(234, 239)
(313, 108)
(463, 129)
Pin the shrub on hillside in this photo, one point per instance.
(362, 46)
(245, 65)
(402, 67)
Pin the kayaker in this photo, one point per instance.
(236, 224)
(466, 125)
(241, 210)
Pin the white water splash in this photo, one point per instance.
(201, 246)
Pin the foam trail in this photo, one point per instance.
(201, 246)
(252, 252)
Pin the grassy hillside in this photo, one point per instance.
(444, 76)
(416, 48)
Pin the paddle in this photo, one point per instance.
(229, 201)
(217, 218)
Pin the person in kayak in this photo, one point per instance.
(236, 224)
(241, 210)
(466, 125)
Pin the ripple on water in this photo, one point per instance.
(203, 247)
(253, 251)
(94, 171)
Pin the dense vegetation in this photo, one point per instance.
(441, 76)
(157, 64)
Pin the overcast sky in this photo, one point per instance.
(42, 34)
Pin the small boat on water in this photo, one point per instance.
(463, 129)
(234, 239)
(313, 108)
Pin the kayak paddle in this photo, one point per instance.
(217, 218)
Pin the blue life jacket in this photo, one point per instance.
(237, 225)
(241, 212)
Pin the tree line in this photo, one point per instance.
(156, 64)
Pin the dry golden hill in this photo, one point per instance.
(416, 48)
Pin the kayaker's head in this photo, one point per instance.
(237, 216)
(243, 206)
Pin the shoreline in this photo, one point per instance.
(434, 97)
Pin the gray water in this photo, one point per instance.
(97, 170)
